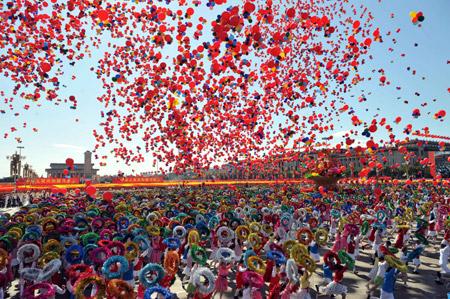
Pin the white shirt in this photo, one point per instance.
(247, 293)
(382, 269)
(443, 256)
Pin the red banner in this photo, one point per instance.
(137, 179)
(47, 181)
(432, 161)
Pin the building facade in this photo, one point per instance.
(82, 170)
(392, 159)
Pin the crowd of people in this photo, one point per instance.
(221, 242)
(16, 199)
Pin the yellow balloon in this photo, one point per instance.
(412, 14)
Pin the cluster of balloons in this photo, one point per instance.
(440, 114)
(70, 166)
(416, 17)
(256, 80)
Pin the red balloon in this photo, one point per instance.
(77, 191)
(103, 15)
(290, 12)
(69, 161)
(108, 196)
(364, 172)
(66, 172)
(276, 51)
(46, 67)
(91, 190)
(88, 182)
(234, 20)
(368, 42)
(161, 17)
(190, 11)
(249, 7)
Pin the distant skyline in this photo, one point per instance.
(64, 132)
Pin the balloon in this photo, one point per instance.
(440, 114)
(45, 67)
(91, 190)
(290, 12)
(69, 162)
(66, 172)
(249, 7)
(416, 17)
(190, 11)
(103, 15)
(258, 81)
(108, 196)
(321, 189)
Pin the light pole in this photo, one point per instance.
(20, 159)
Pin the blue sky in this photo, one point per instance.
(60, 136)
